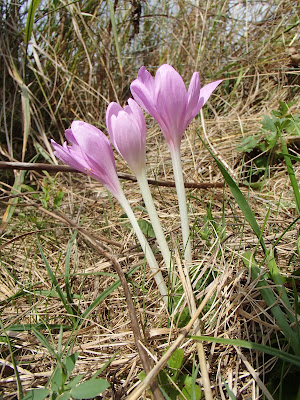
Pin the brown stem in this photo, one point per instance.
(66, 168)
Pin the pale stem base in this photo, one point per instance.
(163, 245)
(146, 249)
(179, 183)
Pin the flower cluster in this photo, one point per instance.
(173, 107)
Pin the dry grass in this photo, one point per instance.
(74, 77)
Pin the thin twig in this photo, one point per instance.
(66, 168)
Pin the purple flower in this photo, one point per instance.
(90, 152)
(127, 131)
(166, 99)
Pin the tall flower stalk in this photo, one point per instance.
(127, 131)
(167, 100)
(91, 152)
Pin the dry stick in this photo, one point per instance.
(131, 310)
(187, 287)
(66, 168)
(163, 361)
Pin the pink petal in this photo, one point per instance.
(128, 141)
(113, 110)
(146, 78)
(207, 90)
(171, 98)
(193, 97)
(143, 96)
(135, 111)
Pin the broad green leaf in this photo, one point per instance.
(36, 394)
(268, 124)
(146, 228)
(191, 390)
(64, 396)
(248, 144)
(89, 389)
(58, 379)
(176, 359)
(70, 362)
(74, 381)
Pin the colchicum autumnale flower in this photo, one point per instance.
(127, 131)
(90, 152)
(167, 100)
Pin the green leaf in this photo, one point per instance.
(57, 380)
(239, 197)
(45, 343)
(142, 375)
(36, 394)
(70, 362)
(272, 302)
(74, 381)
(115, 33)
(89, 389)
(64, 396)
(279, 282)
(146, 228)
(67, 306)
(248, 144)
(268, 124)
(67, 268)
(290, 358)
(58, 199)
(190, 390)
(176, 359)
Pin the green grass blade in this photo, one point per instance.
(30, 17)
(16, 189)
(270, 299)
(277, 279)
(41, 338)
(291, 172)
(106, 293)
(13, 361)
(61, 294)
(67, 268)
(239, 197)
(114, 29)
(290, 358)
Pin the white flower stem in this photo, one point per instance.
(146, 249)
(146, 193)
(179, 183)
